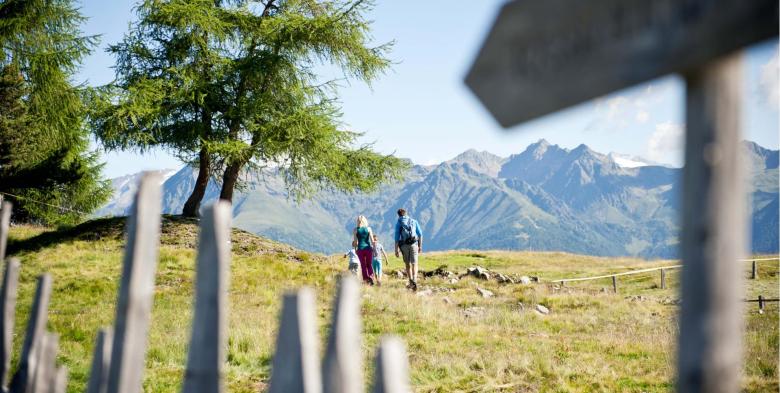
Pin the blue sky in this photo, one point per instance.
(422, 110)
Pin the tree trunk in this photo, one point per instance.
(229, 180)
(192, 206)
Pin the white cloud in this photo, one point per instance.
(769, 81)
(665, 144)
(621, 112)
(616, 107)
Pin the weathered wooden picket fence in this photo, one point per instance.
(118, 362)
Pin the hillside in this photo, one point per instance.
(544, 198)
(592, 340)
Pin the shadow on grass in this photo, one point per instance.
(110, 228)
(99, 229)
(176, 231)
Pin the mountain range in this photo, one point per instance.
(545, 198)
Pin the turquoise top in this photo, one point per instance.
(364, 242)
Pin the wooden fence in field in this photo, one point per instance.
(118, 361)
(663, 269)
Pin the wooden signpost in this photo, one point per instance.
(546, 55)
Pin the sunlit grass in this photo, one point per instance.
(593, 339)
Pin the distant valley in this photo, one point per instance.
(544, 198)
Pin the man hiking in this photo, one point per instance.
(408, 241)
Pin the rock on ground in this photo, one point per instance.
(426, 292)
(484, 292)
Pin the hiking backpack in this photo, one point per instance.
(407, 235)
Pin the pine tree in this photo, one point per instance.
(45, 162)
(232, 86)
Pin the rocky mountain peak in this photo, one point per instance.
(480, 161)
(539, 149)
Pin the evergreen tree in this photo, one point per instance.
(231, 85)
(45, 162)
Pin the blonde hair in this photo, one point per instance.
(362, 221)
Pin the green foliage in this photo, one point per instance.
(45, 162)
(238, 80)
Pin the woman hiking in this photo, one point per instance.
(361, 240)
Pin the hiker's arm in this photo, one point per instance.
(419, 237)
(385, 254)
(354, 238)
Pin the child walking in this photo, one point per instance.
(354, 262)
(376, 263)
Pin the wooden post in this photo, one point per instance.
(134, 306)
(713, 231)
(663, 278)
(754, 273)
(8, 304)
(206, 358)
(614, 284)
(46, 371)
(5, 223)
(101, 362)
(295, 365)
(36, 325)
(392, 367)
(760, 303)
(342, 367)
(61, 380)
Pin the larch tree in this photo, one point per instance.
(233, 85)
(46, 165)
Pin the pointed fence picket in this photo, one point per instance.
(206, 358)
(118, 360)
(342, 367)
(295, 366)
(136, 289)
(5, 222)
(392, 367)
(30, 358)
(8, 305)
(101, 362)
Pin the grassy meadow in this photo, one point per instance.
(592, 340)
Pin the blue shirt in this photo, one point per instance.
(412, 223)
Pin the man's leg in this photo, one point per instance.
(413, 256)
(407, 257)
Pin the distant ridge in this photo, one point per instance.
(543, 198)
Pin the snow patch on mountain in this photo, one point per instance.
(629, 161)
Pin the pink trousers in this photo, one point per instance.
(365, 257)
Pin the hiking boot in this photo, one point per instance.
(414, 286)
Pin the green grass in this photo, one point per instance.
(593, 340)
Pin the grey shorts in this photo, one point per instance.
(409, 253)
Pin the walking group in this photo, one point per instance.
(366, 254)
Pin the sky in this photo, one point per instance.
(422, 110)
